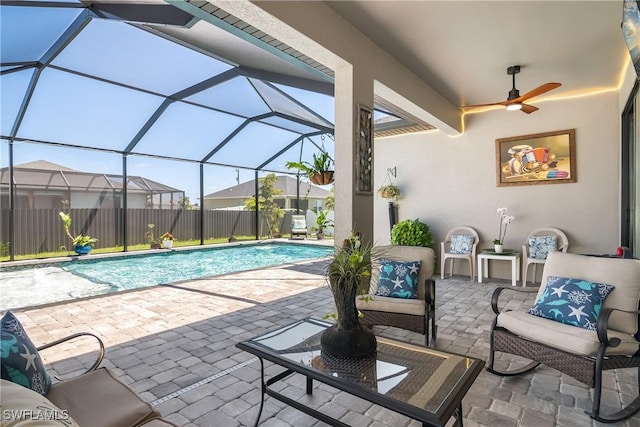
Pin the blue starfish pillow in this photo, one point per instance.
(571, 301)
(398, 279)
(20, 362)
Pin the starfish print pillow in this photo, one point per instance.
(573, 302)
(398, 279)
(20, 362)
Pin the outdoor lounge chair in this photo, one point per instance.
(579, 352)
(299, 226)
(417, 315)
(95, 398)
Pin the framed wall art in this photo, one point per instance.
(543, 158)
(364, 154)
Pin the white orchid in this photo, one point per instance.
(505, 220)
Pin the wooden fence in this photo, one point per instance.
(41, 230)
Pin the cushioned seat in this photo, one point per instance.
(539, 243)
(414, 314)
(299, 226)
(85, 397)
(584, 321)
(461, 243)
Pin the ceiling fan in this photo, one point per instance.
(515, 101)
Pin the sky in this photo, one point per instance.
(72, 109)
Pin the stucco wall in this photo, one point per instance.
(451, 181)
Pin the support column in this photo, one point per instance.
(354, 210)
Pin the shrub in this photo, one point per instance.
(411, 233)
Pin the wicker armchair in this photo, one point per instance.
(417, 315)
(580, 353)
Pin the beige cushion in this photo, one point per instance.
(99, 399)
(23, 407)
(624, 274)
(564, 337)
(393, 305)
(400, 305)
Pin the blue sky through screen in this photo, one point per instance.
(73, 109)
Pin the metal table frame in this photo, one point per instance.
(452, 408)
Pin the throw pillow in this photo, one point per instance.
(398, 279)
(20, 361)
(461, 244)
(573, 302)
(298, 224)
(540, 246)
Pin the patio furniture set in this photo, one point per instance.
(584, 321)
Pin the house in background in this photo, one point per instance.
(311, 196)
(45, 185)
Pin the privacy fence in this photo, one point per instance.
(41, 230)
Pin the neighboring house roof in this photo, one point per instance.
(285, 183)
(42, 174)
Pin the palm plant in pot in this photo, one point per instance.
(346, 273)
(82, 243)
(322, 222)
(320, 172)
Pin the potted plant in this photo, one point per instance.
(153, 242)
(347, 271)
(505, 220)
(167, 240)
(389, 191)
(411, 233)
(320, 172)
(82, 244)
(321, 223)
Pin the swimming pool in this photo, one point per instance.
(22, 287)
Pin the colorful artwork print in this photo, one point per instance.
(536, 159)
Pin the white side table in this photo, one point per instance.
(483, 264)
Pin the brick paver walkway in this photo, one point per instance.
(175, 345)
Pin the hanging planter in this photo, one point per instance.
(322, 178)
(320, 172)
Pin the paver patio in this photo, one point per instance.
(175, 345)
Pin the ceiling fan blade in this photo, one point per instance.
(485, 105)
(537, 91)
(526, 108)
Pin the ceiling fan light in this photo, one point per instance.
(514, 106)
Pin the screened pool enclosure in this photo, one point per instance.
(105, 116)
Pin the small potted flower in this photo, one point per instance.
(505, 220)
(167, 240)
(153, 242)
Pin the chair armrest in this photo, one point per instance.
(602, 325)
(74, 336)
(498, 291)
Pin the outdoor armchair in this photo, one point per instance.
(414, 314)
(539, 243)
(461, 243)
(299, 226)
(577, 282)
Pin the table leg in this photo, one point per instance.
(263, 389)
(480, 264)
(514, 266)
(309, 385)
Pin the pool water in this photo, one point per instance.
(88, 277)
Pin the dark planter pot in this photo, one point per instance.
(82, 250)
(348, 338)
(155, 245)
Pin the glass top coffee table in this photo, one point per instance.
(422, 383)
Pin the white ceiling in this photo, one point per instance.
(463, 48)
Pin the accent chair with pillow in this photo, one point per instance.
(96, 398)
(584, 321)
(299, 226)
(402, 291)
(540, 242)
(461, 243)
